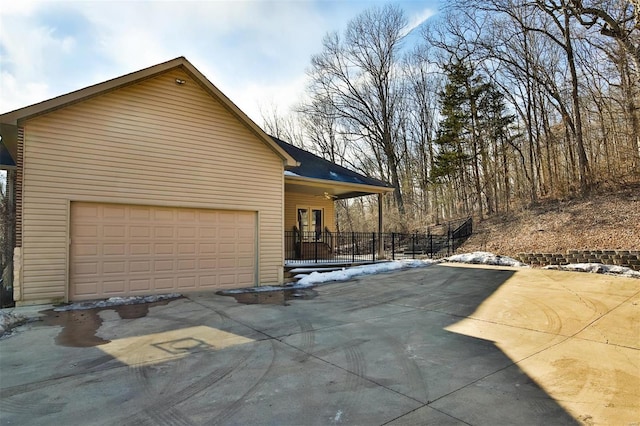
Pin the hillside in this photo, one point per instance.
(601, 221)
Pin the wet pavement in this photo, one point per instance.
(79, 327)
(276, 297)
(439, 345)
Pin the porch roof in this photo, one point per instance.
(317, 175)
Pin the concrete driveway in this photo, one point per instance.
(440, 345)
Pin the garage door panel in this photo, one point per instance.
(207, 264)
(227, 280)
(113, 249)
(210, 217)
(86, 231)
(117, 267)
(139, 231)
(244, 233)
(164, 283)
(113, 287)
(189, 232)
(186, 249)
(114, 212)
(186, 265)
(163, 215)
(187, 215)
(245, 248)
(164, 231)
(244, 277)
(86, 250)
(207, 249)
(139, 213)
(124, 250)
(187, 283)
(208, 281)
(140, 249)
(140, 266)
(86, 268)
(225, 249)
(163, 248)
(166, 265)
(227, 233)
(245, 262)
(208, 232)
(140, 284)
(226, 263)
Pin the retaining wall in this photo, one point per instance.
(628, 258)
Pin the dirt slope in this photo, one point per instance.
(603, 221)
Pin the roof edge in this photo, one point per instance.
(12, 118)
(327, 182)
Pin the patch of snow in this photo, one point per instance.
(116, 301)
(343, 178)
(336, 419)
(485, 258)
(596, 268)
(8, 320)
(289, 173)
(348, 273)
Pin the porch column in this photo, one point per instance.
(380, 241)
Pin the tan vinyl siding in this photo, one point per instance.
(153, 143)
(293, 200)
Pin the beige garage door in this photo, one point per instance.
(122, 250)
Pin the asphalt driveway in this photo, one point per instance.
(445, 344)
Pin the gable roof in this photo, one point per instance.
(6, 159)
(10, 120)
(313, 167)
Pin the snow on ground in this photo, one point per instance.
(485, 258)
(348, 273)
(596, 268)
(8, 320)
(116, 301)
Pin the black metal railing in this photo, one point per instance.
(354, 247)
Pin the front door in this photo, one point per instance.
(310, 223)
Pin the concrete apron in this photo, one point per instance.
(447, 344)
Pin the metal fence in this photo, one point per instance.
(353, 247)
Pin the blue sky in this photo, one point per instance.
(255, 51)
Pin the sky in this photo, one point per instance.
(255, 51)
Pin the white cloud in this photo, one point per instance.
(256, 52)
(281, 97)
(25, 93)
(418, 18)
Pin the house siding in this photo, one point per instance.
(155, 143)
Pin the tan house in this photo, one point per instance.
(155, 182)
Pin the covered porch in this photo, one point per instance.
(310, 223)
(310, 191)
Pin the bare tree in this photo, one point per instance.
(618, 19)
(356, 74)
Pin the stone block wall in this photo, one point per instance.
(628, 258)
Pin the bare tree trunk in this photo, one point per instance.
(585, 178)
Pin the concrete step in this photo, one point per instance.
(312, 269)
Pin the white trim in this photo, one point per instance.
(319, 183)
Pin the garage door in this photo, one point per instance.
(123, 250)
